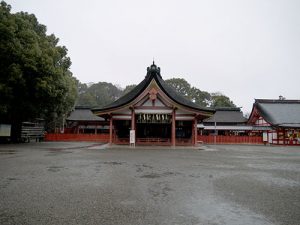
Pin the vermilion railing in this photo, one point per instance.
(77, 137)
(230, 139)
(205, 139)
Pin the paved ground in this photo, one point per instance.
(85, 183)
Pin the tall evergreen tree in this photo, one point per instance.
(35, 80)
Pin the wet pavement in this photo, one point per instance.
(88, 183)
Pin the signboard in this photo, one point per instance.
(153, 118)
(132, 137)
(265, 136)
(5, 130)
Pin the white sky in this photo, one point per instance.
(244, 49)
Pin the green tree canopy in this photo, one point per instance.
(181, 85)
(128, 88)
(202, 98)
(35, 80)
(220, 100)
(99, 94)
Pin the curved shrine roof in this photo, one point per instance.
(153, 72)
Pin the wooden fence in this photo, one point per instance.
(230, 139)
(205, 139)
(77, 137)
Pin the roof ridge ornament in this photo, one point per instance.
(153, 70)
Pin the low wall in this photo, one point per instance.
(77, 137)
(205, 139)
(230, 139)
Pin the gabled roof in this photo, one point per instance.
(227, 115)
(280, 113)
(153, 72)
(83, 114)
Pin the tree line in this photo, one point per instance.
(102, 93)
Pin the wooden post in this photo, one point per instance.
(195, 132)
(173, 128)
(132, 119)
(110, 130)
(132, 140)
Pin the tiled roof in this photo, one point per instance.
(227, 115)
(83, 114)
(281, 113)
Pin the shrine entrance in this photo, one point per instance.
(153, 133)
(184, 132)
(153, 129)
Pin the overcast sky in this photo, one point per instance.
(243, 49)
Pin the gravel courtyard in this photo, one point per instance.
(88, 183)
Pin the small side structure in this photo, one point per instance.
(280, 118)
(227, 126)
(226, 121)
(82, 125)
(83, 121)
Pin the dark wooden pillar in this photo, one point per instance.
(132, 119)
(133, 126)
(173, 128)
(195, 131)
(110, 130)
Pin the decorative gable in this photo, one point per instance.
(153, 94)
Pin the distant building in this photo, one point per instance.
(280, 118)
(227, 126)
(226, 121)
(83, 121)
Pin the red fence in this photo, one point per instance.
(204, 139)
(77, 137)
(230, 139)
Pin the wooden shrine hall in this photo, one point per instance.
(154, 114)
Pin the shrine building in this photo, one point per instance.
(279, 118)
(154, 113)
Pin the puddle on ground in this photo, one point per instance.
(55, 168)
(158, 175)
(7, 152)
(55, 152)
(160, 190)
(141, 167)
(113, 163)
(12, 178)
(5, 182)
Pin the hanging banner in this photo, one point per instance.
(153, 118)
